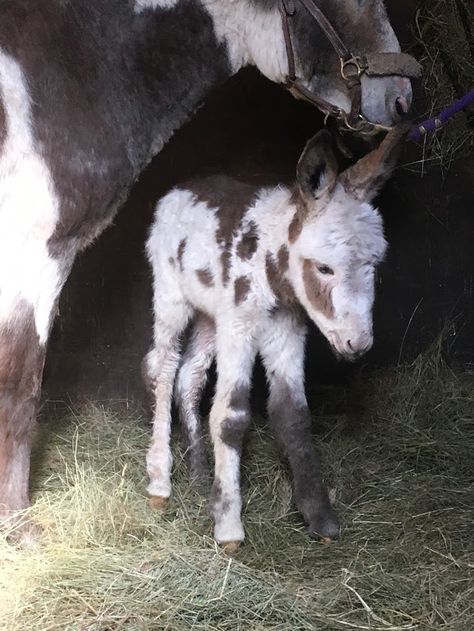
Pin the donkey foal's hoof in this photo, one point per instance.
(158, 503)
(230, 546)
(325, 527)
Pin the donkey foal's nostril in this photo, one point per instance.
(349, 344)
(401, 105)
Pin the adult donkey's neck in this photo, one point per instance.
(178, 58)
(110, 82)
(189, 46)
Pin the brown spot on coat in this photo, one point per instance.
(247, 246)
(205, 277)
(233, 429)
(241, 289)
(239, 399)
(217, 505)
(296, 224)
(275, 270)
(180, 253)
(225, 264)
(230, 199)
(318, 293)
(283, 258)
(233, 432)
(295, 227)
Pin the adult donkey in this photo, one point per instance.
(90, 92)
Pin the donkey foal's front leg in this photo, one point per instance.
(229, 420)
(282, 351)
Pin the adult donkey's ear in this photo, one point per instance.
(364, 179)
(316, 172)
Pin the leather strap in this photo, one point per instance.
(285, 13)
(299, 90)
(352, 68)
(383, 64)
(327, 28)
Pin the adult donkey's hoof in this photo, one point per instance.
(21, 530)
(325, 527)
(158, 503)
(27, 535)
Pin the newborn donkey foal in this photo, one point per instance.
(246, 263)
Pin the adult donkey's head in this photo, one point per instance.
(288, 40)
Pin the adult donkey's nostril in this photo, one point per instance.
(349, 345)
(401, 105)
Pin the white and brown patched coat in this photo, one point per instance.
(244, 264)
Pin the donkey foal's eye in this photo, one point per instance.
(325, 269)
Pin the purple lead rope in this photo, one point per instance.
(432, 124)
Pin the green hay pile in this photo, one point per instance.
(444, 32)
(403, 486)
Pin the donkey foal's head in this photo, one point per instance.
(336, 240)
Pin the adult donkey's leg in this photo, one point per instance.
(30, 282)
(282, 350)
(31, 277)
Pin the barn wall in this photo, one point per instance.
(252, 128)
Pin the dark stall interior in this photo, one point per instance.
(253, 129)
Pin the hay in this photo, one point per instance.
(403, 483)
(444, 34)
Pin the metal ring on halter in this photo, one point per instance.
(363, 125)
(352, 61)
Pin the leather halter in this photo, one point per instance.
(352, 68)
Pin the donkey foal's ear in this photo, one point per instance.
(316, 172)
(364, 179)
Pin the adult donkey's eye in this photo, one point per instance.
(325, 269)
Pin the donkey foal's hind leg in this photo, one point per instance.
(161, 364)
(190, 382)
